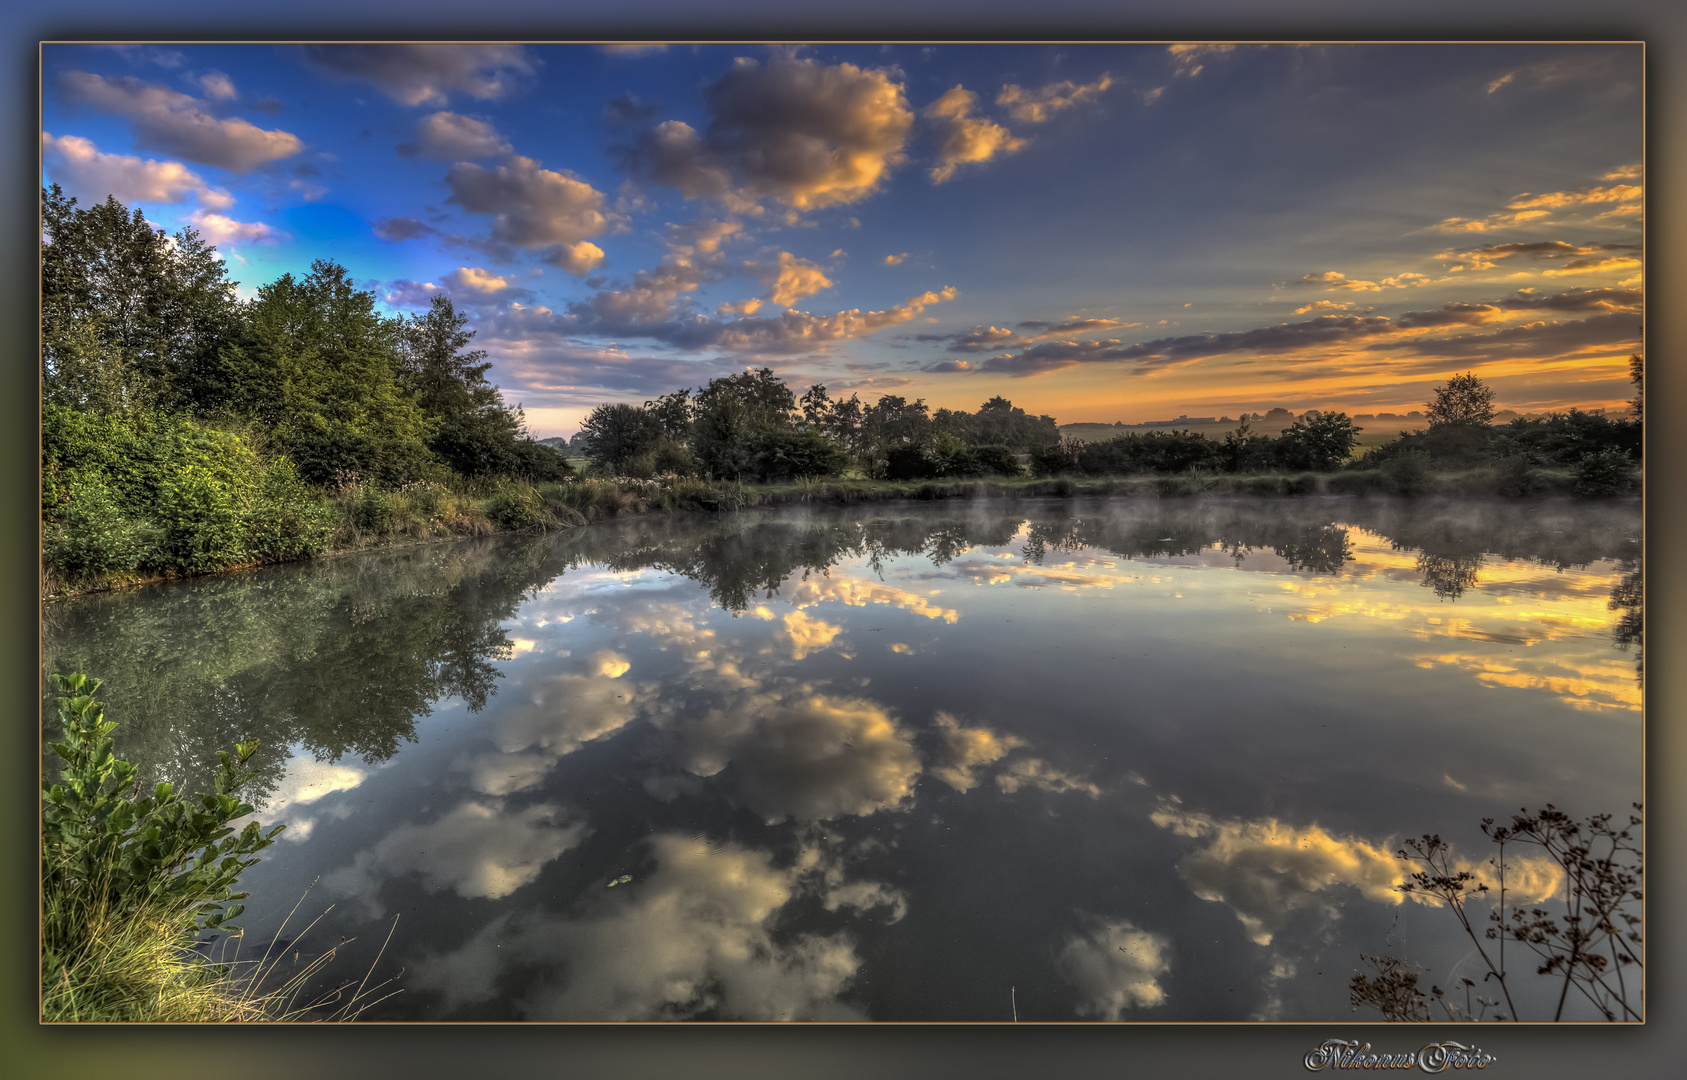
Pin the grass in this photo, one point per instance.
(138, 966)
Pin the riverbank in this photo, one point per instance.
(366, 518)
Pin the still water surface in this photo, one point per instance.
(1127, 761)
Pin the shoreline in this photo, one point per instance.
(622, 497)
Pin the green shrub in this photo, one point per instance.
(1605, 473)
(114, 859)
(286, 520)
(1408, 472)
(517, 506)
(94, 536)
(202, 527)
(372, 510)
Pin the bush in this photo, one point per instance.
(202, 527)
(1605, 473)
(996, 460)
(782, 454)
(114, 861)
(517, 506)
(95, 537)
(286, 520)
(1408, 473)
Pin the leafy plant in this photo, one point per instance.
(1587, 947)
(113, 856)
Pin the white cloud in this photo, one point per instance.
(531, 207)
(445, 136)
(177, 124)
(795, 279)
(964, 139)
(480, 849)
(1040, 105)
(217, 230)
(474, 279)
(1116, 967)
(83, 171)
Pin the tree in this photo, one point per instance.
(614, 434)
(315, 362)
(475, 432)
(1636, 375)
(1322, 442)
(127, 312)
(732, 413)
(1465, 400)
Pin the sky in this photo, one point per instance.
(1100, 232)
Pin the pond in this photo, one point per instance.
(1052, 760)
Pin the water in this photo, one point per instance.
(1138, 761)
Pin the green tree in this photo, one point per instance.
(474, 431)
(316, 363)
(732, 412)
(1637, 375)
(615, 434)
(128, 314)
(1464, 401)
(1322, 442)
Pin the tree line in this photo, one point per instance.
(185, 429)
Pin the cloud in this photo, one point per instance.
(795, 279)
(1039, 774)
(628, 109)
(1593, 300)
(981, 340)
(701, 237)
(219, 231)
(533, 207)
(1532, 209)
(807, 634)
(1625, 172)
(475, 280)
(1501, 81)
(1326, 305)
(1537, 339)
(895, 260)
(632, 48)
(966, 750)
(1052, 356)
(89, 175)
(1186, 56)
(1335, 279)
(646, 309)
(177, 124)
(695, 936)
(964, 139)
(1455, 314)
(394, 230)
(1266, 870)
(811, 757)
(218, 87)
(1038, 106)
(426, 73)
(1582, 256)
(445, 136)
(859, 592)
(805, 134)
(407, 293)
(479, 850)
(1115, 967)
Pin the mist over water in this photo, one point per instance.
(1134, 761)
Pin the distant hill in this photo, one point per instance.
(555, 442)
